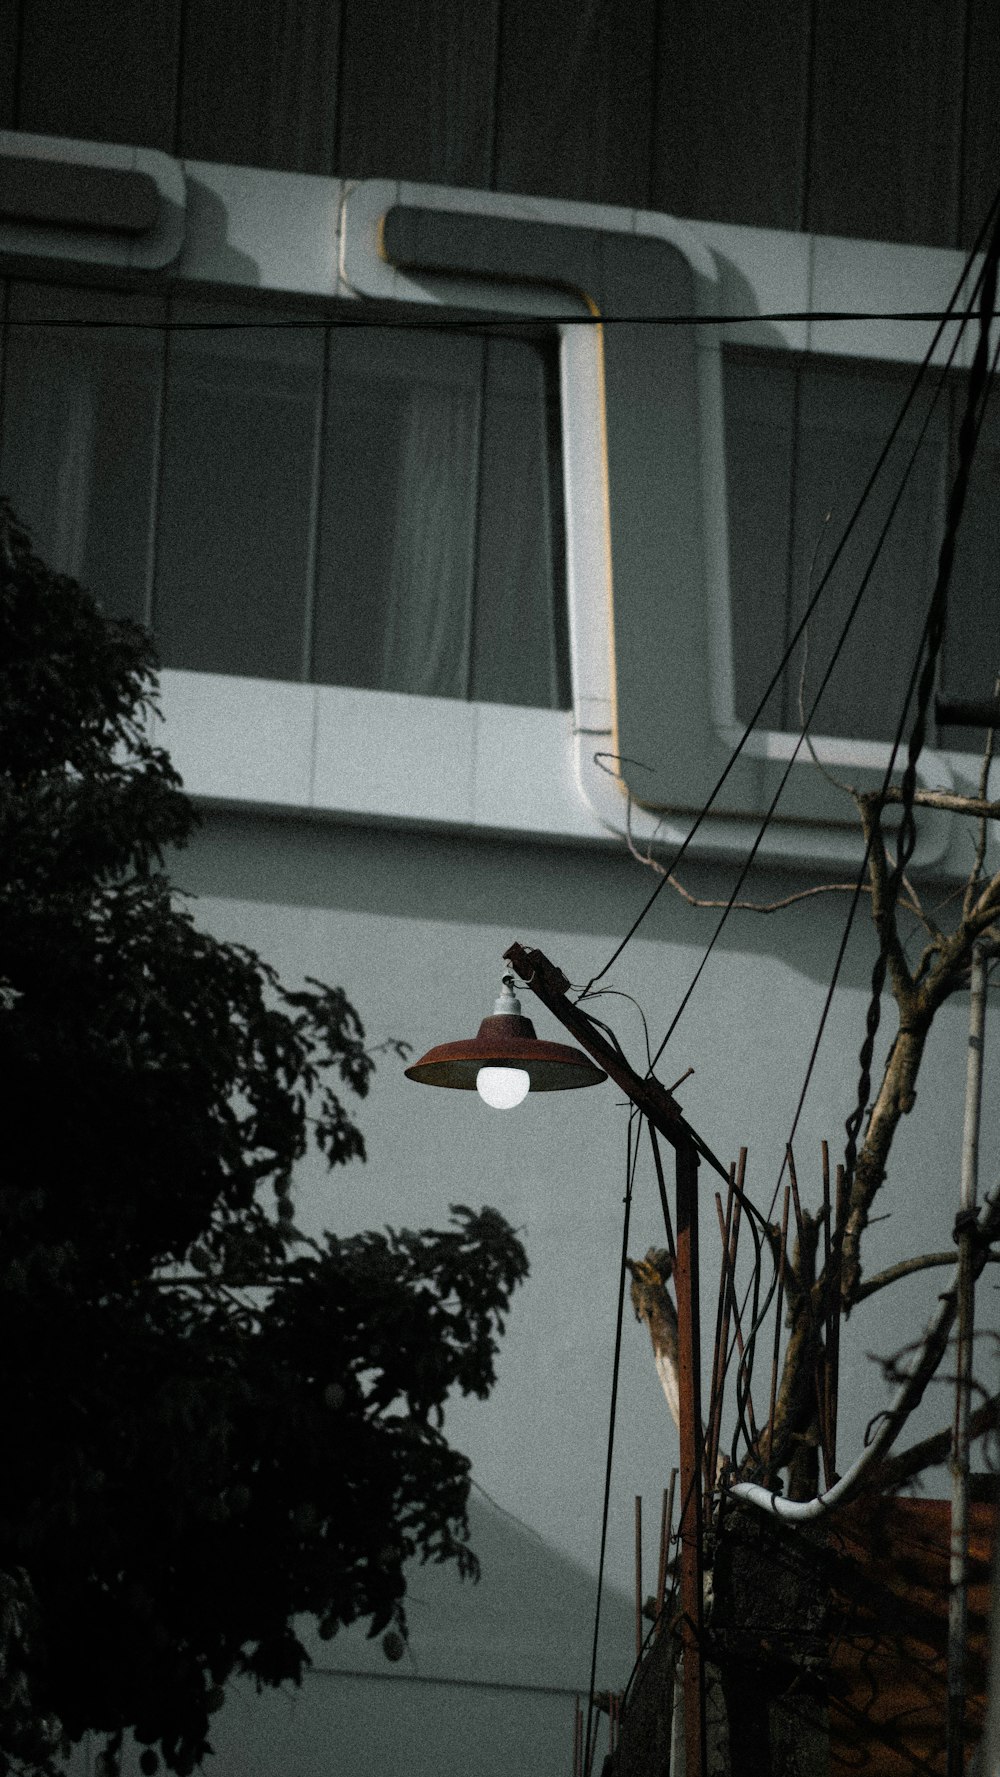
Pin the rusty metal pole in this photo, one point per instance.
(662, 1110)
(689, 1389)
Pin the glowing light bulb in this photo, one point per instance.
(502, 1087)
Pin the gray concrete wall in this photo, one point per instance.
(413, 926)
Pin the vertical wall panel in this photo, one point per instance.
(886, 121)
(731, 96)
(971, 657)
(981, 134)
(10, 28)
(260, 94)
(760, 409)
(103, 70)
(845, 414)
(575, 99)
(78, 449)
(417, 86)
(396, 556)
(519, 649)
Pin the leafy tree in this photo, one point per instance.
(212, 1423)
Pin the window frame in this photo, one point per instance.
(377, 755)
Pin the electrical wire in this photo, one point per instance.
(980, 380)
(824, 681)
(855, 606)
(863, 868)
(980, 389)
(948, 313)
(476, 319)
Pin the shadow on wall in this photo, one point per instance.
(529, 888)
(207, 235)
(488, 1687)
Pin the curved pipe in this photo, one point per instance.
(908, 1396)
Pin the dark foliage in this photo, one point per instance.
(211, 1424)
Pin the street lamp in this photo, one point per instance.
(507, 1041)
(505, 1060)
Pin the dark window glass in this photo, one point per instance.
(373, 506)
(440, 559)
(78, 449)
(970, 662)
(398, 526)
(520, 650)
(235, 519)
(801, 440)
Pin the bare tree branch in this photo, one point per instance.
(930, 1451)
(906, 1267)
(909, 1395)
(952, 801)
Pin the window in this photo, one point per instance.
(620, 522)
(79, 440)
(367, 506)
(802, 435)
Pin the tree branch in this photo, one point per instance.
(907, 1267)
(952, 801)
(930, 1451)
(883, 903)
(909, 1395)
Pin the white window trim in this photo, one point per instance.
(364, 754)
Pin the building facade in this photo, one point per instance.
(456, 591)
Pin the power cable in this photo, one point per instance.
(978, 394)
(475, 319)
(679, 854)
(980, 386)
(845, 630)
(862, 873)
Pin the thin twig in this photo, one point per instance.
(718, 1349)
(951, 800)
(769, 1473)
(732, 1242)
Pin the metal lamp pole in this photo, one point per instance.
(549, 985)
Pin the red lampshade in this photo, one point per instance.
(506, 1040)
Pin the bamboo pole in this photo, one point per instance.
(958, 1575)
(737, 1322)
(690, 1528)
(729, 1250)
(638, 1578)
(772, 1403)
(841, 1217)
(666, 1526)
(718, 1347)
(826, 1400)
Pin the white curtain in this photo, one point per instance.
(428, 626)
